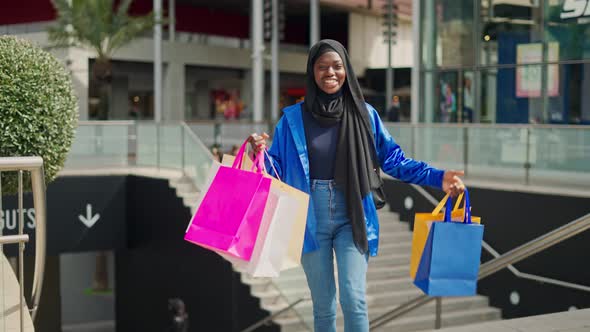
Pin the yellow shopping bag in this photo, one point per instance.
(422, 223)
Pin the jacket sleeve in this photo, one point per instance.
(275, 151)
(395, 163)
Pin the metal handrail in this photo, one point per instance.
(34, 165)
(268, 318)
(513, 256)
(11, 239)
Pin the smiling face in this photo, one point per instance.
(329, 72)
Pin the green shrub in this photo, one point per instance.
(38, 108)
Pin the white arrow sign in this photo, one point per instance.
(90, 219)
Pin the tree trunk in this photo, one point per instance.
(102, 74)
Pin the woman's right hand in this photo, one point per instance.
(258, 142)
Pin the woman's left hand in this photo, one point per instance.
(452, 184)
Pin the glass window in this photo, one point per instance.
(567, 23)
(467, 107)
(447, 33)
(501, 101)
(441, 99)
(567, 99)
(505, 24)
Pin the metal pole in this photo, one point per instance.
(314, 22)
(172, 20)
(274, 109)
(182, 148)
(527, 162)
(465, 148)
(158, 140)
(158, 61)
(1, 215)
(3, 303)
(438, 319)
(416, 80)
(389, 71)
(11, 239)
(257, 62)
(427, 95)
(21, 250)
(38, 185)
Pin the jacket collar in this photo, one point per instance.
(295, 121)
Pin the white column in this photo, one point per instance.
(171, 20)
(80, 69)
(415, 113)
(314, 22)
(158, 61)
(174, 92)
(257, 62)
(274, 86)
(429, 39)
(389, 75)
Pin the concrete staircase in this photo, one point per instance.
(388, 284)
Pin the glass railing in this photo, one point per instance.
(117, 144)
(101, 144)
(516, 154)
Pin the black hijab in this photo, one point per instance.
(356, 163)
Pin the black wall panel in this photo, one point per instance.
(512, 219)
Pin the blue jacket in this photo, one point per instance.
(289, 156)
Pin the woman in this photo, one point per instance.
(332, 146)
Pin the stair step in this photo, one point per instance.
(389, 285)
(184, 187)
(180, 180)
(190, 202)
(387, 259)
(424, 322)
(387, 272)
(392, 225)
(397, 246)
(449, 304)
(385, 237)
(455, 311)
(189, 195)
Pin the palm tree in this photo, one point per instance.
(99, 26)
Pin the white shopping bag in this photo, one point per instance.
(280, 237)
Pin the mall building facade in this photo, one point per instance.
(503, 61)
(207, 55)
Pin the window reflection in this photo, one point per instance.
(506, 24)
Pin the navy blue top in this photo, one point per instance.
(321, 147)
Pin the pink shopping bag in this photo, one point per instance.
(229, 216)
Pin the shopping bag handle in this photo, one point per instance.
(466, 207)
(443, 201)
(238, 161)
(271, 164)
(258, 163)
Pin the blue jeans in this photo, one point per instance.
(334, 234)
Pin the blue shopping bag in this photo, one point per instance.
(450, 261)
